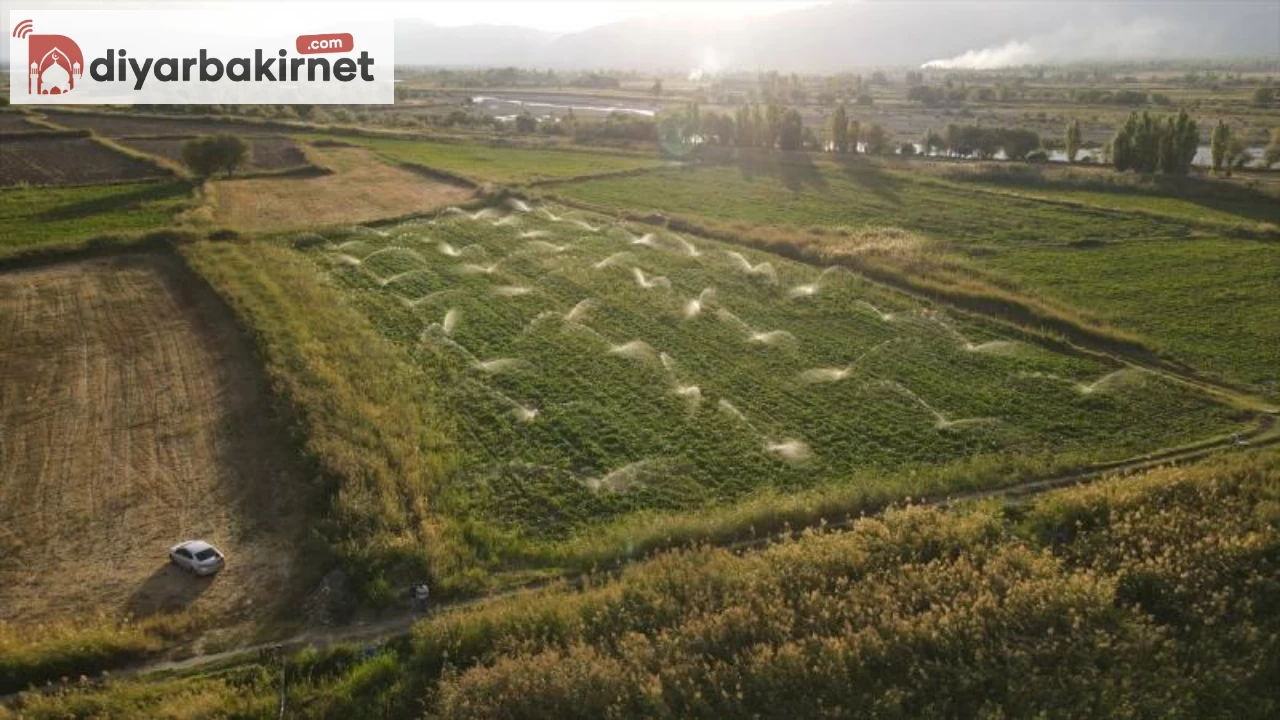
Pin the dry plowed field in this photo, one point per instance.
(362, 188)
(15, 122)
(266, 153)
(132, 417)
(67, 161)
(116, 126)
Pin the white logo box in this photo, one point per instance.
(73, 56)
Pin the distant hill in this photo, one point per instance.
(840, 36)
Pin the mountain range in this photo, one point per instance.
(847, 35)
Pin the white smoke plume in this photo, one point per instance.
(1126, 41)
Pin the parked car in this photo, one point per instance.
(197, 557)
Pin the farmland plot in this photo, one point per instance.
(360, 189)
(265, 153)
(15, 122)
(599, 369)
(67, 161)
(120, 126)
(133, 417)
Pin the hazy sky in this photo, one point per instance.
(573, 16)
(809, 35)
(559, 16)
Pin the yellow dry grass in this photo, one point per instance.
(134, 417)
(361, 188)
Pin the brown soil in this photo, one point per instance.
(361, 189)
(132, 417)
(15, 122)
(266, 153)
(67, 161)
(116, 126)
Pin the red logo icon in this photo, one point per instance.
(55, 61)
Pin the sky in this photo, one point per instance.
(563, 17)
(804, 35)
(557, 16)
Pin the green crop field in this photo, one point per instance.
(488, 163)
(597, 370)
(1142, 272)
(31, 217)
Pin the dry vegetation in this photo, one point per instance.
(360, 189)
(134, 418)
(1143, 596)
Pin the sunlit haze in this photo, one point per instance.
(576, 16)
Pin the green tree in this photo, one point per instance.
(855, 132)
(207, 155)
(526, 123)
(840, 129)
(1178, 146)
(1219, 144)
(1017, 143)
(1073, 139)
(1237, 154)
(657, 87)
(1264, 96)
(1272, 154)
(790, 130)
(772, 126)
(877, 139)
(955, 141)
(932, 142)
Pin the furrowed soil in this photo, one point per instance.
(117, 126)
(133, 417)
(15, 122)
(360, 189)
(65, 161)
(265, 153)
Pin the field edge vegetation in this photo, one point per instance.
(1159, 589)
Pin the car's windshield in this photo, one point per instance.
(206, 554)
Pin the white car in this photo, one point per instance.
(197, 557)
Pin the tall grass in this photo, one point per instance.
(367, 417)
(1152, 595)
(33, 655)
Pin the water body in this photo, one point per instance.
(509, 107)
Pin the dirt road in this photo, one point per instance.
(133, 416)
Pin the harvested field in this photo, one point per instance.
(134, 417)
(361, 189)
(15, 122)
(67, 161)
(116, 126)
(266, 153)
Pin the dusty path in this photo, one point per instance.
(133, 416)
